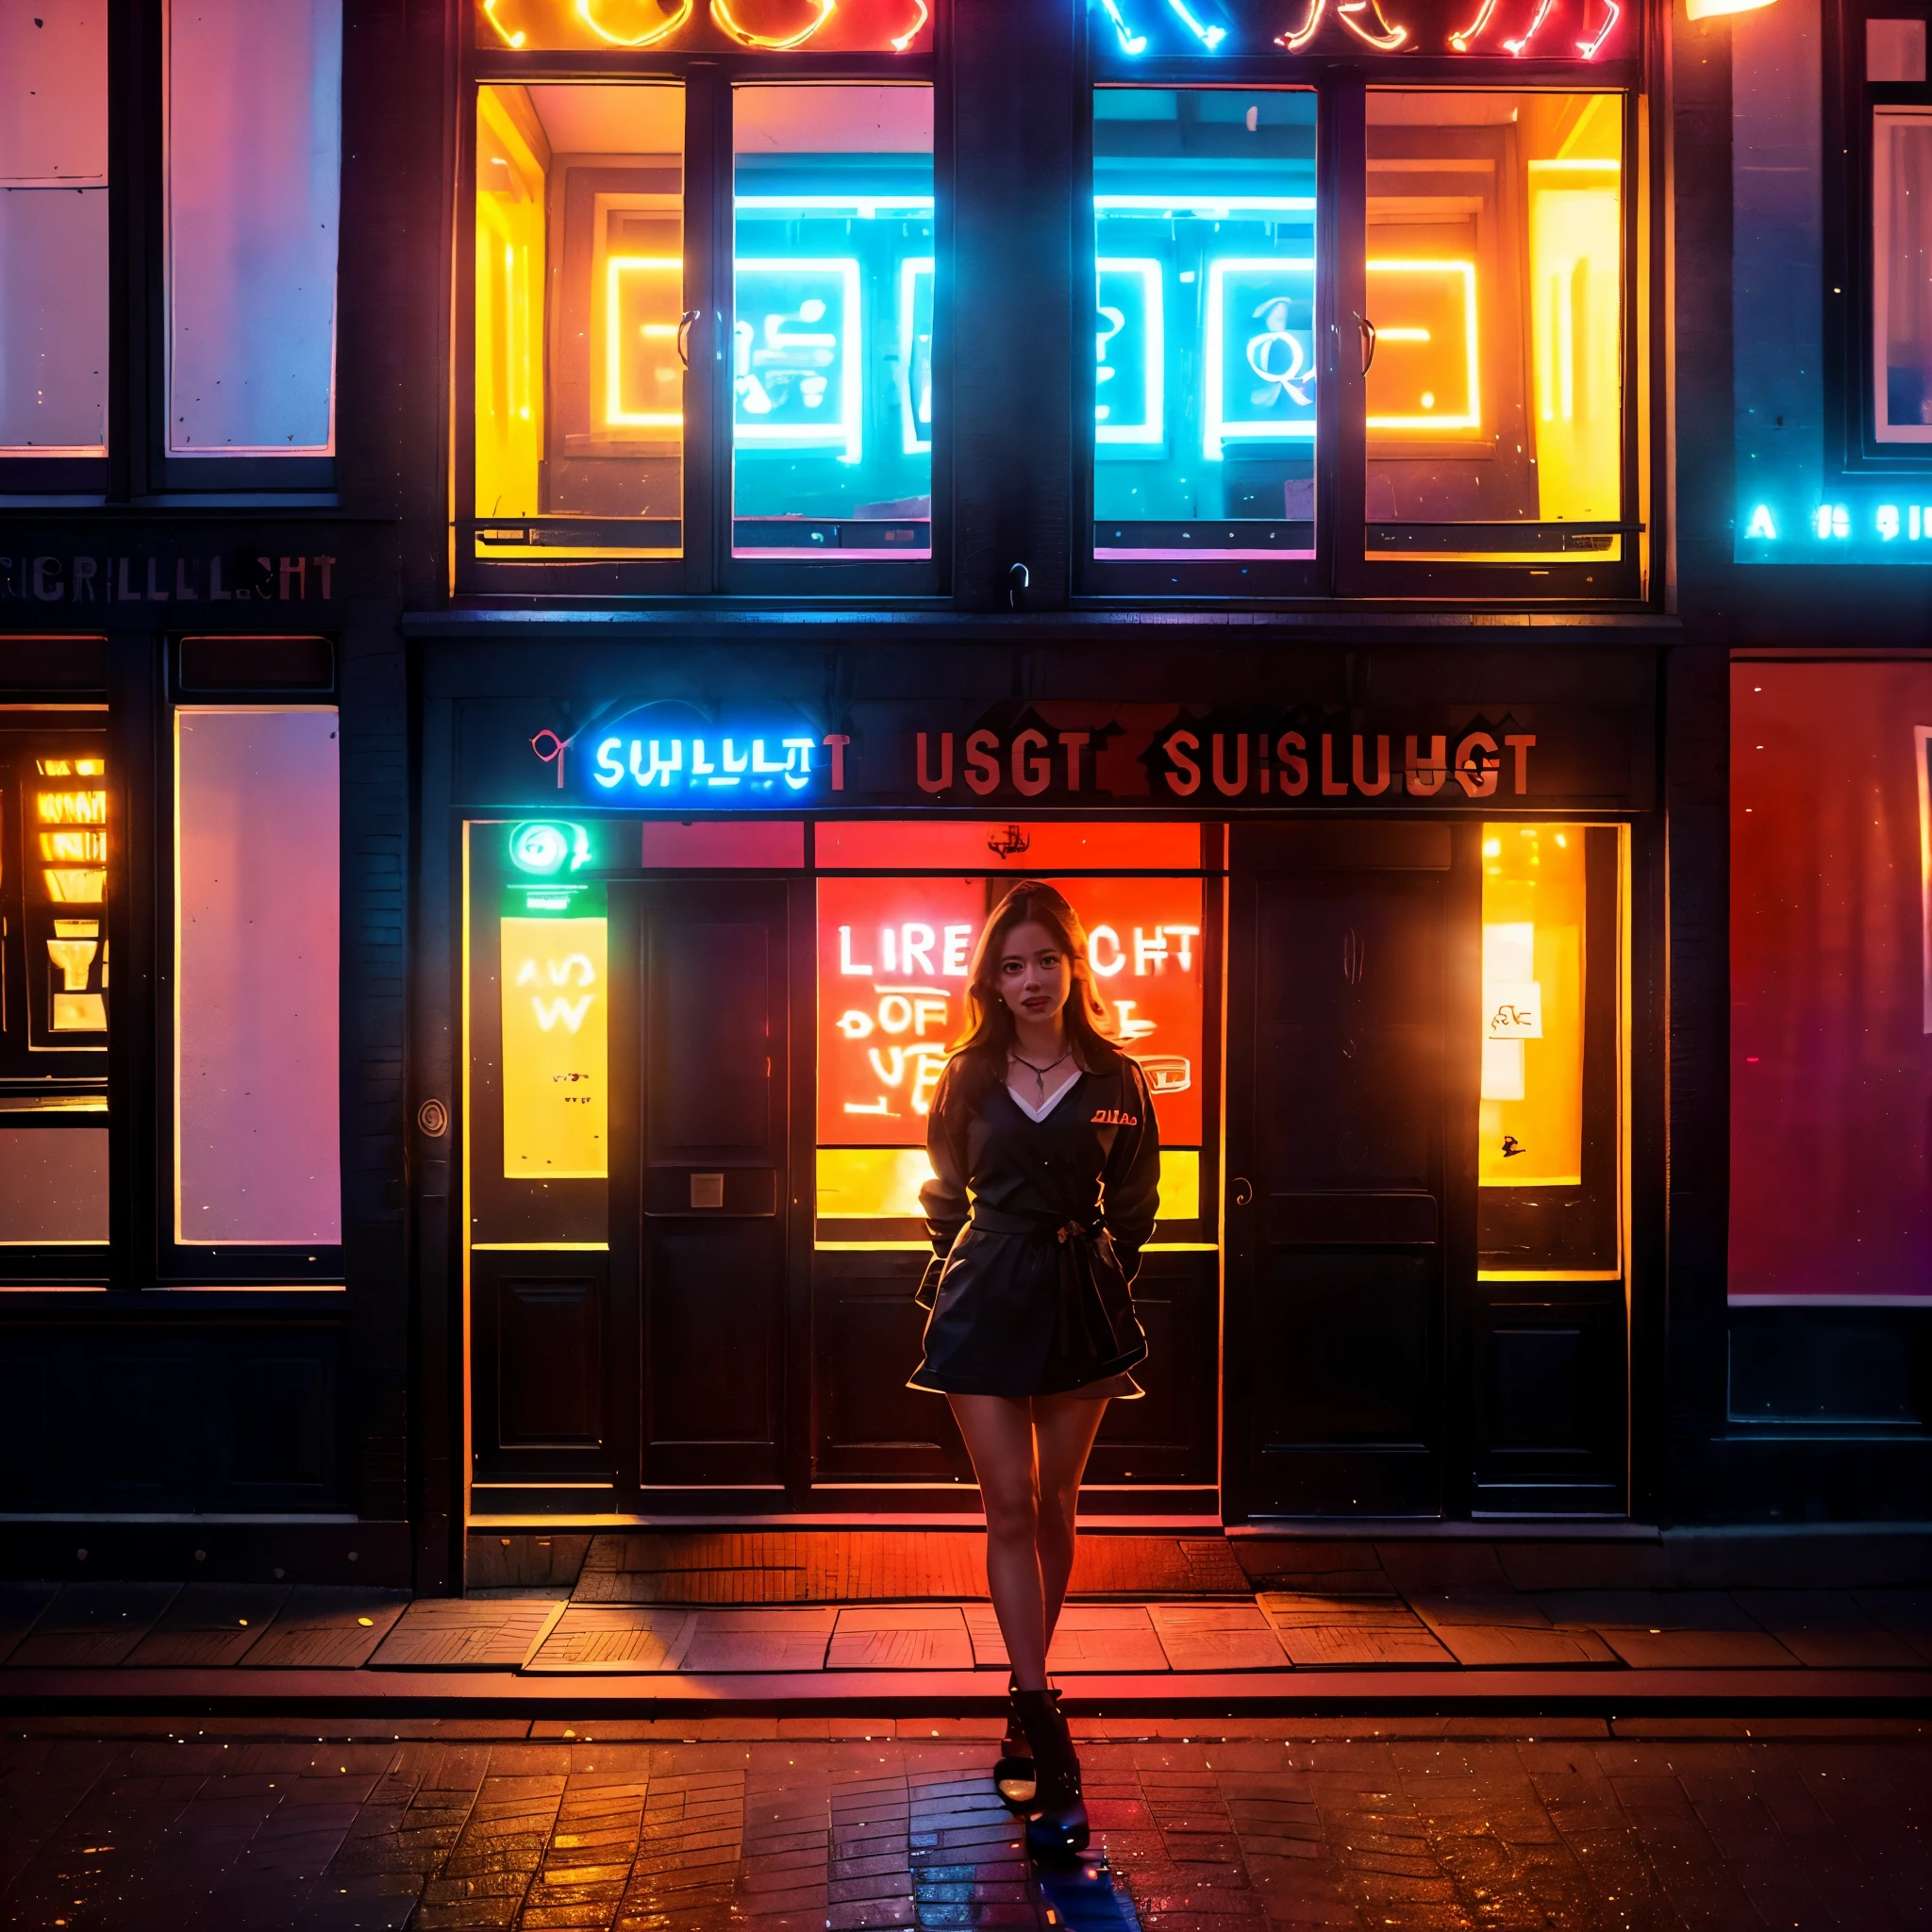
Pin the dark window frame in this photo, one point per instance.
(1851, 372)
(1343, 569)
(707, 569)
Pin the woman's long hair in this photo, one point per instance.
(989, 1034)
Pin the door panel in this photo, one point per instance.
(1345, 1203)
(715, 1187)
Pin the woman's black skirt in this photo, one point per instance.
(1023, 1308)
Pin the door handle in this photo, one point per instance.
(684, 326)
(1243, 1192)
(1367, 333)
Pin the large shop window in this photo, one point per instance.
(53, 231)
(1205, 277)
(895, 954)
(54, 830)
(258, 938)
(1831, 982)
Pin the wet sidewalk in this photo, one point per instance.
(770, 1825)
(898, 1621)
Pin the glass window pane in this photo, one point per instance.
(1832, 980)
(893, 959)
(832, 333)
(255, 98)
(579, 424)
(1495, 286)
(53, 227)
(1204, 401)
(1901, 273)
(256, 976)
(53, 1187)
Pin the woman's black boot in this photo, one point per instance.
(1057, 1819)
(1013, 1777)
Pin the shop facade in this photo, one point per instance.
(543, 754)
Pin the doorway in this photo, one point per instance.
(1427, 1284)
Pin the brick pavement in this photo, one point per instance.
(779, 1824)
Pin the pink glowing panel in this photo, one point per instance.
(760, 844)
(54, 227)
(1831, 1052)
(53, 1187)
(258, 941)
(254, 168)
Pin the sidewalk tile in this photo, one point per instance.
(1508, 1632)
(921, 1637)
(1669, 1630)
(1332, 1633)
(326, 1628)
(733, 1640)
(209, 1626)
(1217, 1637)
(596, 1639)
(1827, 1629)
(90, 1626)
(21, 1605)
(467, 1634)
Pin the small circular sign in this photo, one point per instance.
(433, 1118)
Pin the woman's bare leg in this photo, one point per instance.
(1064, 1428)
(999, 1438)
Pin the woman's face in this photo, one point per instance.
(1035, 975)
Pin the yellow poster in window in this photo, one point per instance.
(556, 1050)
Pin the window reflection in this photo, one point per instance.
(1495, 291)
(579, 422)
(832, 327)
(1204, 398)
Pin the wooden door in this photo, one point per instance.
(1350, 1124)
(713, 1119)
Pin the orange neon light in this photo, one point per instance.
(649, 38)
(902, 41)
(779, 43)
(502, 34)
(1383, 36)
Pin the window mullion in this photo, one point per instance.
(708, 290)
(1341, 432)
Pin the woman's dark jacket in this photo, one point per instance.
(1037, 1227)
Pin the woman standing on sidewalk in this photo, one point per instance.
(1047, 1161)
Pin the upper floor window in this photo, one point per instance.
(245, 126)
(654, 410)
(1355, 338)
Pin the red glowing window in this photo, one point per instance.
(1020, 851)
(893, 959)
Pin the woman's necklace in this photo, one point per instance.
(1039, 1074)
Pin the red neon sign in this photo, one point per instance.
(893, 959)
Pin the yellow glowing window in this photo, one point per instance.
(1534, 904)
(556, 1049)
(76, 847)
(72, 807)
(1426, 376)
(883, 1183)
(76, 885)
(644, 374)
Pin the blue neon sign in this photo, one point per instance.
(797, 360)
(1260, 376)
(769, 769)
(1130, 349)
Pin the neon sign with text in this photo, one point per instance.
(764, 27)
